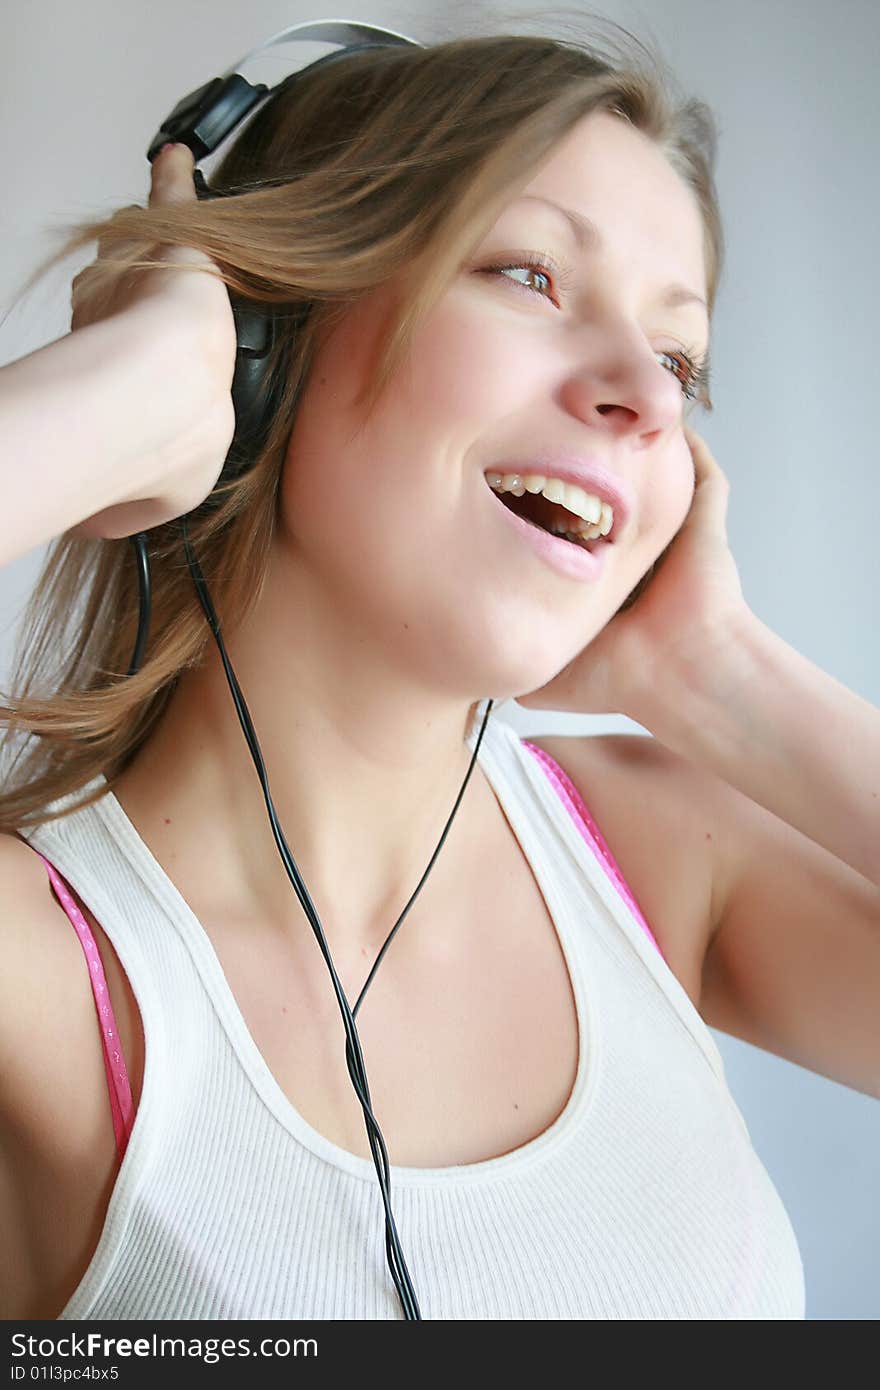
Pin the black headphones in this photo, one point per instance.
(201, 121)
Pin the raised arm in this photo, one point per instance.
(124, 422)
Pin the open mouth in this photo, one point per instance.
(551, 517)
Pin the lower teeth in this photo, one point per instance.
(575, 537)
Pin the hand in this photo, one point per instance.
(182, 329)
(693, 599)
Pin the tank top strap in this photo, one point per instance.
(121, 1102)
(577, 809)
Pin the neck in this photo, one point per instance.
(364, 765)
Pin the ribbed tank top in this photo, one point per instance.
(645, 1198)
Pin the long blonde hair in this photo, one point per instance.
(392, 163)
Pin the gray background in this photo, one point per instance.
(796, 381)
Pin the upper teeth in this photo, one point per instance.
(597, 515)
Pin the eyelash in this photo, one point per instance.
(695, 374)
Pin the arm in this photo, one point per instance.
(784, 733)
(788, 764)
(94, 419)
(124, 423)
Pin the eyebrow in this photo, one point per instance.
(588, 237)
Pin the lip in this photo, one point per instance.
(592, 477)
(571, 561)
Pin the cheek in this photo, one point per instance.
(471, 370)
(333, 461)
(367, 494)
(463, 373)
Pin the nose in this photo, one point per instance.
(619, 384)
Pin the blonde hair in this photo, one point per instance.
(391, 163)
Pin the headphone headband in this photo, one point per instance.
(204, 117)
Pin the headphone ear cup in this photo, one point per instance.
(252, 396)
(259, 376)
(255, 337)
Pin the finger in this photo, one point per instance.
(711, 495)
(706, 467)
(172, 176)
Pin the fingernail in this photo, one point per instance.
(169, 146)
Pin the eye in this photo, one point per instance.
(689, 366)
(692, 371)
(538, 263)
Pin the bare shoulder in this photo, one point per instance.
(56, 1134)
(50, 1033)
(656, 812)
(30, 967)
(45, 987)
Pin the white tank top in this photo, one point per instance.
(645, 1199)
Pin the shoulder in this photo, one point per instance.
(656, 811)
(47, 1014)
(57, 1146)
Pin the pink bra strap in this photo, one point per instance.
(121, 1103)
(590, 831)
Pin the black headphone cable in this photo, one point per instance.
(142, 559)
(353, 1053)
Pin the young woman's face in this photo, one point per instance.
(394, 518)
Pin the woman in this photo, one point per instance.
(562, 1139)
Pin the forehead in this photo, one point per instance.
(620, 181)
